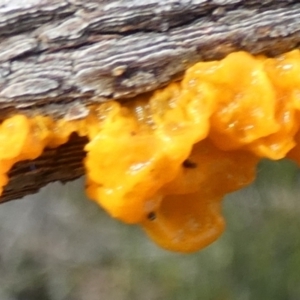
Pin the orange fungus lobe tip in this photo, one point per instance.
(165, 160)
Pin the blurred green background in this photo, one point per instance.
(57, 245)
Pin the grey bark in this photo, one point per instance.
(57, 55)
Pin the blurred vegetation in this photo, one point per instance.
(57, 245)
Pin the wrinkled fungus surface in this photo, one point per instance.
(166, 160)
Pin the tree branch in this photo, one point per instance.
(59, 55)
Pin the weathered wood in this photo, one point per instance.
(63, 163)
(57, 54)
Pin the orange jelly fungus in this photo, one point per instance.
(166, 160)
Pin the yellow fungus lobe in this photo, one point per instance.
(165, 160)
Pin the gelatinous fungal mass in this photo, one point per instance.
(165, 160)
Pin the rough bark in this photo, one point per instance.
(57, 55)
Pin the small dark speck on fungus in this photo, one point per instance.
(151, 216)
(189, 164)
